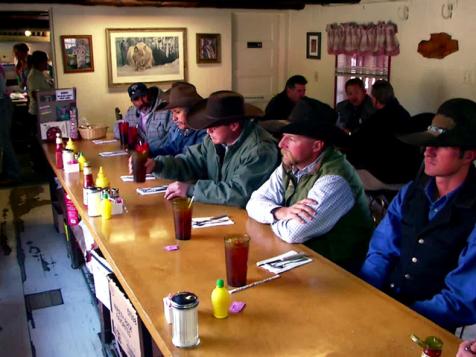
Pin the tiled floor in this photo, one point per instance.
(67, 329)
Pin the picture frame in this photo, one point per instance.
(313, 45)
(147, 55)
(77, 53)
(208, 48)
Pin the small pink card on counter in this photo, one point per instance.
(171, 248)
(236, 307)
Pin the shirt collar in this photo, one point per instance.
(308, 169)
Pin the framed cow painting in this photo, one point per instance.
(77, 53)
(146, 55)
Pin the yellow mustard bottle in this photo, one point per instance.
(221, 300)
(101, 179)
(106, 207)
(71, 146)
(81, 160)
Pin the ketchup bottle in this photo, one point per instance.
(59, 151)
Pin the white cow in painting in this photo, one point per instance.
(140, 57)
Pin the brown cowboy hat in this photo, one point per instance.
(221, 108)
(181, 94)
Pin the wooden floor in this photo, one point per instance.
(67, 329)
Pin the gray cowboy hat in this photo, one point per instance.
(221, 108)
(181, 94)
(453, 125)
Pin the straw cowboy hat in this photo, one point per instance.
(453, 125)
(221, 108)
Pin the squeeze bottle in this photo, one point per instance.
(221, 300)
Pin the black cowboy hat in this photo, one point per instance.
(315, 120)
(221, 108)
(182, 94)
(453, 125)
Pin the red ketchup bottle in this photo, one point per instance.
(59, 151)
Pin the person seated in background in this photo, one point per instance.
(467, 349)
(234, 159)
(375, 146)
(315, 196)
(281, 105)
(179, 100)
(356, 109)
(21, 50)
(152, 124)
(423, 253)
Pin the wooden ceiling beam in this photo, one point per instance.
(231, 4)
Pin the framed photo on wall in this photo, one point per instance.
(313, 45)
(77, 53)
(146, 55)
(208, 48)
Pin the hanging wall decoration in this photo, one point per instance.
(146, 55)
(438, 46)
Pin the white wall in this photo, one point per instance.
(96, 100)
(420, 83)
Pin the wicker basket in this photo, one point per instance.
(93, 132)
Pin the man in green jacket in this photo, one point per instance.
(235, 158)
(315, 197)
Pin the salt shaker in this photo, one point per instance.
(185, 319)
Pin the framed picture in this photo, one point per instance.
(146, 55)
(77, 53)
(313, 45)
(208, 48)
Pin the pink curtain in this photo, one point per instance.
(363, 39)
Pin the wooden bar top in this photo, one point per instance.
(315, 310)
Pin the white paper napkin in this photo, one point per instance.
(151, 190)
(130, 178)
(103, 141)
(288, 266)
(113, 153)
(224, 221)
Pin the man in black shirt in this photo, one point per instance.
(281, 105)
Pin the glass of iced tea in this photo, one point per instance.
(236, 256)
(123, 133)
(182, 209)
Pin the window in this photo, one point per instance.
(369, 68)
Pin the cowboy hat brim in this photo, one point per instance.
(317, 131)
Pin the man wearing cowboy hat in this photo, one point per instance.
(235, 158)
(423, 252)
(152, 124)
(179, 99)
(315, 196)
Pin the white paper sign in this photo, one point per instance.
(64, 94)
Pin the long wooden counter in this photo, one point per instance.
(314, 310)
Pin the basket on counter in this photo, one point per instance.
(92, 132)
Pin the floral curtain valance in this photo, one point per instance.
(362, 39)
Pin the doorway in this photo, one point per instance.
(259, 55)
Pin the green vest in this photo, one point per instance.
(346, 243)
